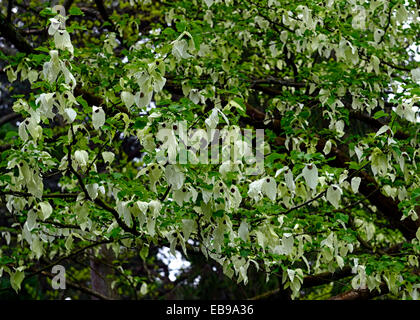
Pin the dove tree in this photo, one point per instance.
(271, 137)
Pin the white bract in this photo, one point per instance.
(334, 193)
(267, 186)
(355, 183)
(174, 176)
(310, 174)
(415, 74)
(179, 49)
(61, 36)
(98, 117)
(108, 156)
(127, 98)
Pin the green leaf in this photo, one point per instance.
(140, 123)
(47, 12)
(380, 114)
(16, 280)
(82, 101)
(75, 11)
(5, 178)
(144, 252)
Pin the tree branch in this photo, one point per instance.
(311, 281)
(46, 196)
(361, 294)
(9, 117)
(9, 11)
(10, 33)
(97, 201)
(282, 82)
(368, 187)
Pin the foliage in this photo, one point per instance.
(334, 84)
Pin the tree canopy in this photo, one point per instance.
(130, 126)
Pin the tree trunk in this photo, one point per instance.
(100, 272)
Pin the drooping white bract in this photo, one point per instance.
(179, 49)
(108, 156)
(196, 96)
(61, 36)
(62, 41)
(310, 174)
(98, 117)
(143, 97)
(213, 120)
(243, 230)
(382, 130)
(70, 114)
(206, 194)
(379, 162)
(288, 175)
(209, 2)
(267, 186)
(188, 226)
(23, 134)
(46, 210)
(415, 74)
(327, 147)
(334, 193)
(124, 212)
(45, 102)
(255, 189)
(92, 190)
(81, 158)
(55, 24)
(52, 68)
(169, 145)
(185, 194)
(174, 176)
(355, 183)
(234, 198)
(127, 98)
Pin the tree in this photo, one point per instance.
(103, 161)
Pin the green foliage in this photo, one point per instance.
(340, 183)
